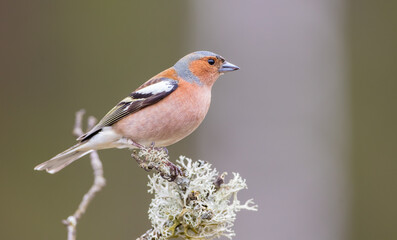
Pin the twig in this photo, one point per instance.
(78, 124)
(99, 180)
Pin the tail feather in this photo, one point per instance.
(63, 159)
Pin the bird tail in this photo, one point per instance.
(63, 159)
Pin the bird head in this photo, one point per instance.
(203, 67)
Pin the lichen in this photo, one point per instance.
(197, 205)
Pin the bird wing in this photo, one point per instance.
(147, 94)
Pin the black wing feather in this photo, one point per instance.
(135, 102)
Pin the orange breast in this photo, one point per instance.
(169, 120)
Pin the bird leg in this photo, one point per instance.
(152, 146)
(135, 144)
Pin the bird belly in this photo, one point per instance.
(167, 121)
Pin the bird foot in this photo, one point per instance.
(164, 149)
(149, 159)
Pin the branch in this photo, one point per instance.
(99, 180)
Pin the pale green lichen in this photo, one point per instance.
(197, 205)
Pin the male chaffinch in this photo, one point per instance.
(162, 111)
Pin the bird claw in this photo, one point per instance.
(164, 149)
(166, 168)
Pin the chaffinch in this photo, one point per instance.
(162, 111)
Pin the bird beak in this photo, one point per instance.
(228, 67)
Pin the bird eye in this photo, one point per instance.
(211, 61)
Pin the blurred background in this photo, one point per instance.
(309, 120)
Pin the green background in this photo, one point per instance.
(372, 42)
